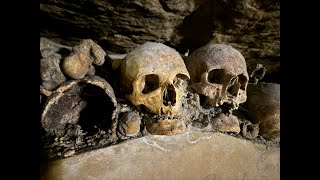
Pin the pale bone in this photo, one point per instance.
(219, 72)
(151, 75)
(264, 108)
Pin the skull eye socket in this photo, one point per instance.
(215, 76)
(179, 79)
(151, 83)
(242, 80)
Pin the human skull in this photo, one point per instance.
(264, 108)
(151, 76)
(219, 75)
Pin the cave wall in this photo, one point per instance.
(251, 26)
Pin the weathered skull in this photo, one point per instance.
(219, 75)
(151, 76)
(264, 108)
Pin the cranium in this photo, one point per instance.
(151, 76)
(219, 75)
(264, 108)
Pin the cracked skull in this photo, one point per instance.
(219, 75)
(152, 76)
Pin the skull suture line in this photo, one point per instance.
(219, 75)
(151, 75)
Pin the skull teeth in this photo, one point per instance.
(163, 117)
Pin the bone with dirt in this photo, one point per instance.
(264, 108)
(153, 78)
(219, 75)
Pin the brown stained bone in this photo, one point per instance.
(76, 65)
(80, 62)
(85, 101)
(264, 108)
(249, 130)
(153, 77)
(167, 127)
(129, 125)
(226, 123)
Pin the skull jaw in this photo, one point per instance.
(162, 121)
(169, 127)
(229, 103)
(233, 102)
(215, 95)
(162, 110)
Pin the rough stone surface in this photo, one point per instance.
(251, 26)
(193, 155)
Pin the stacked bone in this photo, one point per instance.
(158, 92)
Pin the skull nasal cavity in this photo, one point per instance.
(169, 95)
(151, 83)
(232, 88)
(243, 81)
(215, 76)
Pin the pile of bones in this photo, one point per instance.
(90, 99)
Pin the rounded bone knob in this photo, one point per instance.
(129, 124)
(76, 65)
